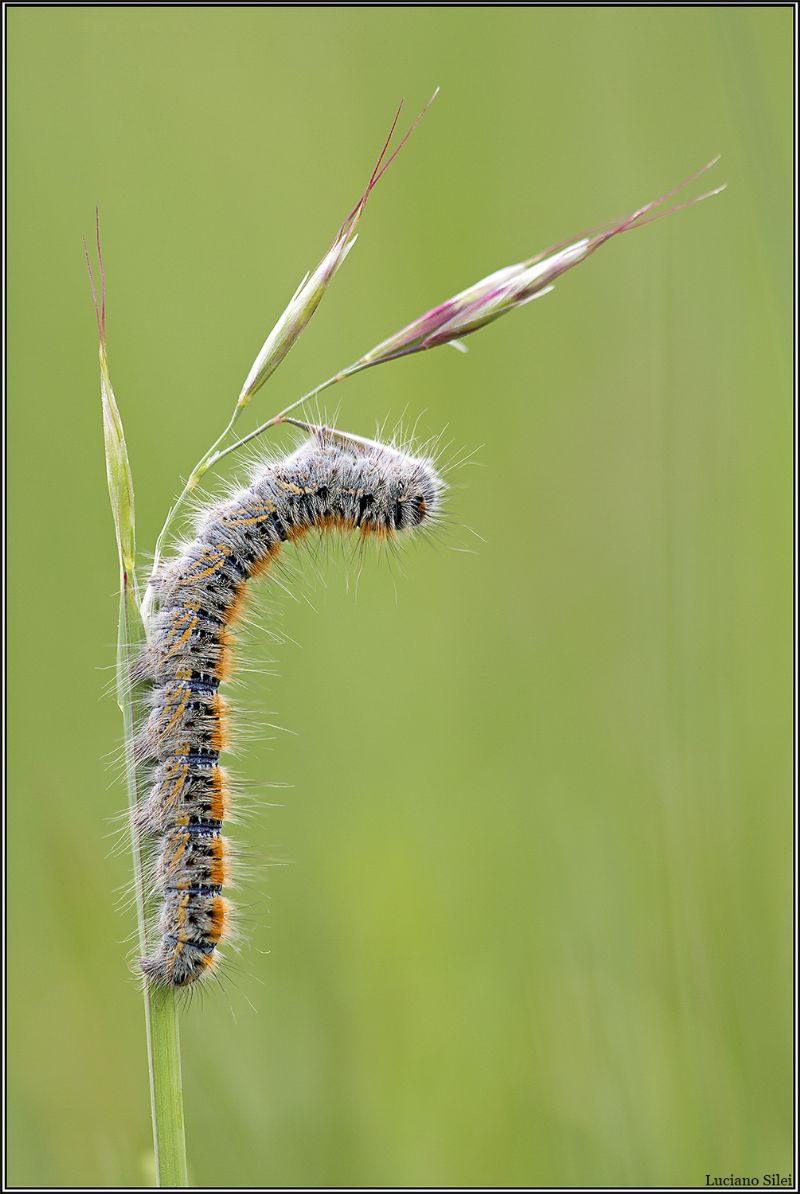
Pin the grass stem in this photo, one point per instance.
(160, 1011)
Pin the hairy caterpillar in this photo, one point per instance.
(332, 482)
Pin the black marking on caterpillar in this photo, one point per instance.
(331, 483)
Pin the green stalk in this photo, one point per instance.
(160, 1011)
(216, 453)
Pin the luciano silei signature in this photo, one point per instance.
(736, 1179)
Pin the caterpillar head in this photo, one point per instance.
(379, 489)
(396, 491)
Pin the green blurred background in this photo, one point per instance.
(530, 922)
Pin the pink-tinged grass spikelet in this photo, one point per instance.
(485, 301)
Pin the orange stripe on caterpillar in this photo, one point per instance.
(207, 564)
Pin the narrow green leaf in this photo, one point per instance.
(161, 1019)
